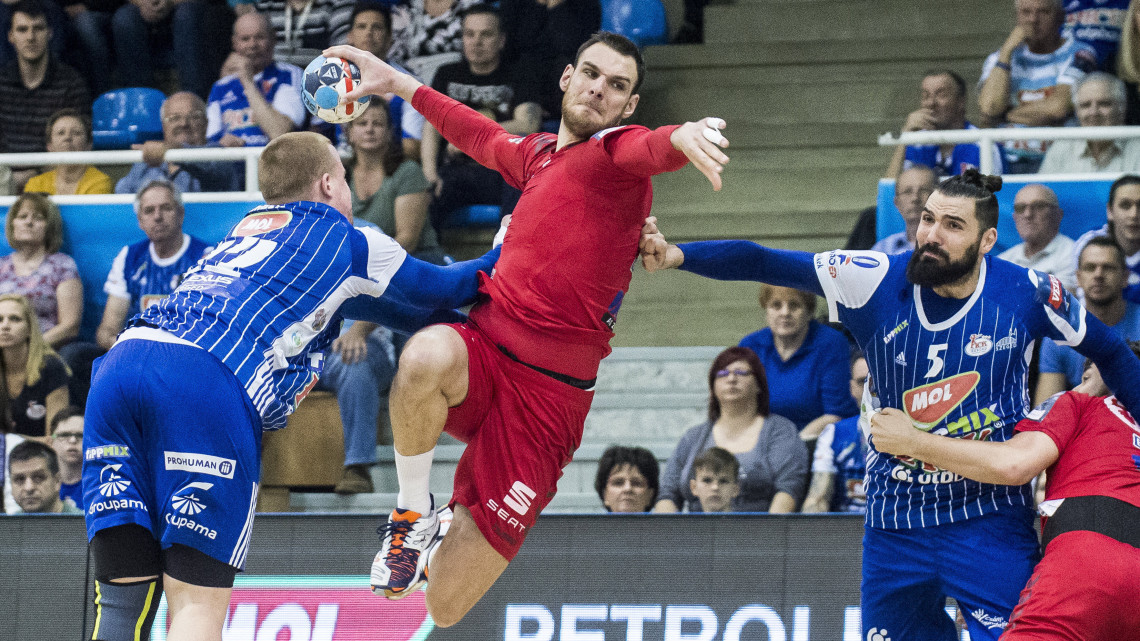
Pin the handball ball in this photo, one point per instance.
(325, 81)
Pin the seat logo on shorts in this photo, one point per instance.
(189, 503)
(519, 498)
(115, 484)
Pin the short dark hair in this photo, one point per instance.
(1108, 242)
(638, 457)
(370, 5)
(959, 83)
(69, 412)
(620, 44)
(30, 449)
(30, 8)
(981, 189)
(726, 358)
(716, 460)
(68, 112)
(1123, 181)
(483, 9)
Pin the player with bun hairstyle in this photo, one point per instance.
(947, 331)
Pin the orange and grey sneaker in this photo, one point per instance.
(400, 567)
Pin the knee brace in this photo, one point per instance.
(125, 611)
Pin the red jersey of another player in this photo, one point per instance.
(568, 255)
(1099, 444)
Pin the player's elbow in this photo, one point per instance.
(1014, 471)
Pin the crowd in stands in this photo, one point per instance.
(782, 432)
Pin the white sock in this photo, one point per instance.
(414, 474)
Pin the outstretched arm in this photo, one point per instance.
(1014, 462)
(1118, 366)
(733, 260)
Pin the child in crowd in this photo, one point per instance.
(716, 480)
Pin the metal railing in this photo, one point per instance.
(248, 155)
(986, 138)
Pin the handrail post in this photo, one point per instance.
(986, 159)
(251, 172)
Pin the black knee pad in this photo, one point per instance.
(125, 551)
(197, 568)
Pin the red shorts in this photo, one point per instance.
(521, 428)
(1084, 589)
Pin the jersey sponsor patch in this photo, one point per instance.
(200, 464)
(979, 345)
(261, 223)
(928, 404)
(106, 451)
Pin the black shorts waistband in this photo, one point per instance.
(1105, 515)
(579, 383)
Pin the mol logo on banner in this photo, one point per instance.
(930, 403)
(314, 608)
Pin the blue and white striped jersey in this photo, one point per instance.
(268, 300)
(956, 368)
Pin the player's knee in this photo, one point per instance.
(444, 612)
(428, 358)
(128, 583)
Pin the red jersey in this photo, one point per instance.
(1099, 443)
(567, 257)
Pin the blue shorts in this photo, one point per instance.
(983, 563)
(171, 443)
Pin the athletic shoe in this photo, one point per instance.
(400, 567)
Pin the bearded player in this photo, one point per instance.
(516, 381)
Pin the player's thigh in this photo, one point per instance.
(900, 595)
(464, 567)
(435, 358)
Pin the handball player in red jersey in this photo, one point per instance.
(1084, 588)
(515, 382)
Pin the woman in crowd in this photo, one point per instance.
(387, 189)
(805, 362)
(35, 379)
(68, 130)
(427, 34)
(773, 460)
(627, 479)
(37, 269)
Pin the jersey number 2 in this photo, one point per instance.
(239, 253)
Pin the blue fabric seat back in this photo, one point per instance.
(642, 21)
(123, 117)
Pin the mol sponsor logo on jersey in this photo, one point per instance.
(928, 404)
(262, 222)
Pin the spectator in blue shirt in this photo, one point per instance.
(806, 362)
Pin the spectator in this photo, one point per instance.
(1037, 215)
(1128, 61)
(1102, 275)
(1123, 226)
(913, 187)
(774, 462)
(427, 34)
(68, 130)
(91, 21)
(39, 271)
(302, 28)
(1029, 81)
(36, 388)
(372, 31)
(56, 22)
(627, 479)
(257, 99)
(804, 360)
(143, 273)
(388, 190)
(839, 464)
(67, 441)
(33, 87)
(543, 37)
(149, 33)
(7, 443)
(942, 98)
(715, 480)
(34, 471)
(483, 83)
(183, 126)
(1099, 100)
(1097, 23)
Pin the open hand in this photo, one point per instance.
(702, 142)
(376, 76)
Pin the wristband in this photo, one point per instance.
(1002, 65)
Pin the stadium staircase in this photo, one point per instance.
(806, 86)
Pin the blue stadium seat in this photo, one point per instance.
(642, 21)
(123, 117)
(474, 216)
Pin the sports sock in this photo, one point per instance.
(414, 473)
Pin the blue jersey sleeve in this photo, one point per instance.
(1118, 366)
(745, 260)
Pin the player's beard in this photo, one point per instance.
(935, 273)
(580, 127)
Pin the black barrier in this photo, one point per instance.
(577, 578)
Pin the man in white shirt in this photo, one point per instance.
(1037, 215)
(1099, 99)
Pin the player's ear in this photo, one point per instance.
(989, 239)
(630, 106)
(564, 81)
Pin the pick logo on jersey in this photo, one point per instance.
(262, 223)
(928, 404)
(979, 345)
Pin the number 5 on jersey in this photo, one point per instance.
(934, 354)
